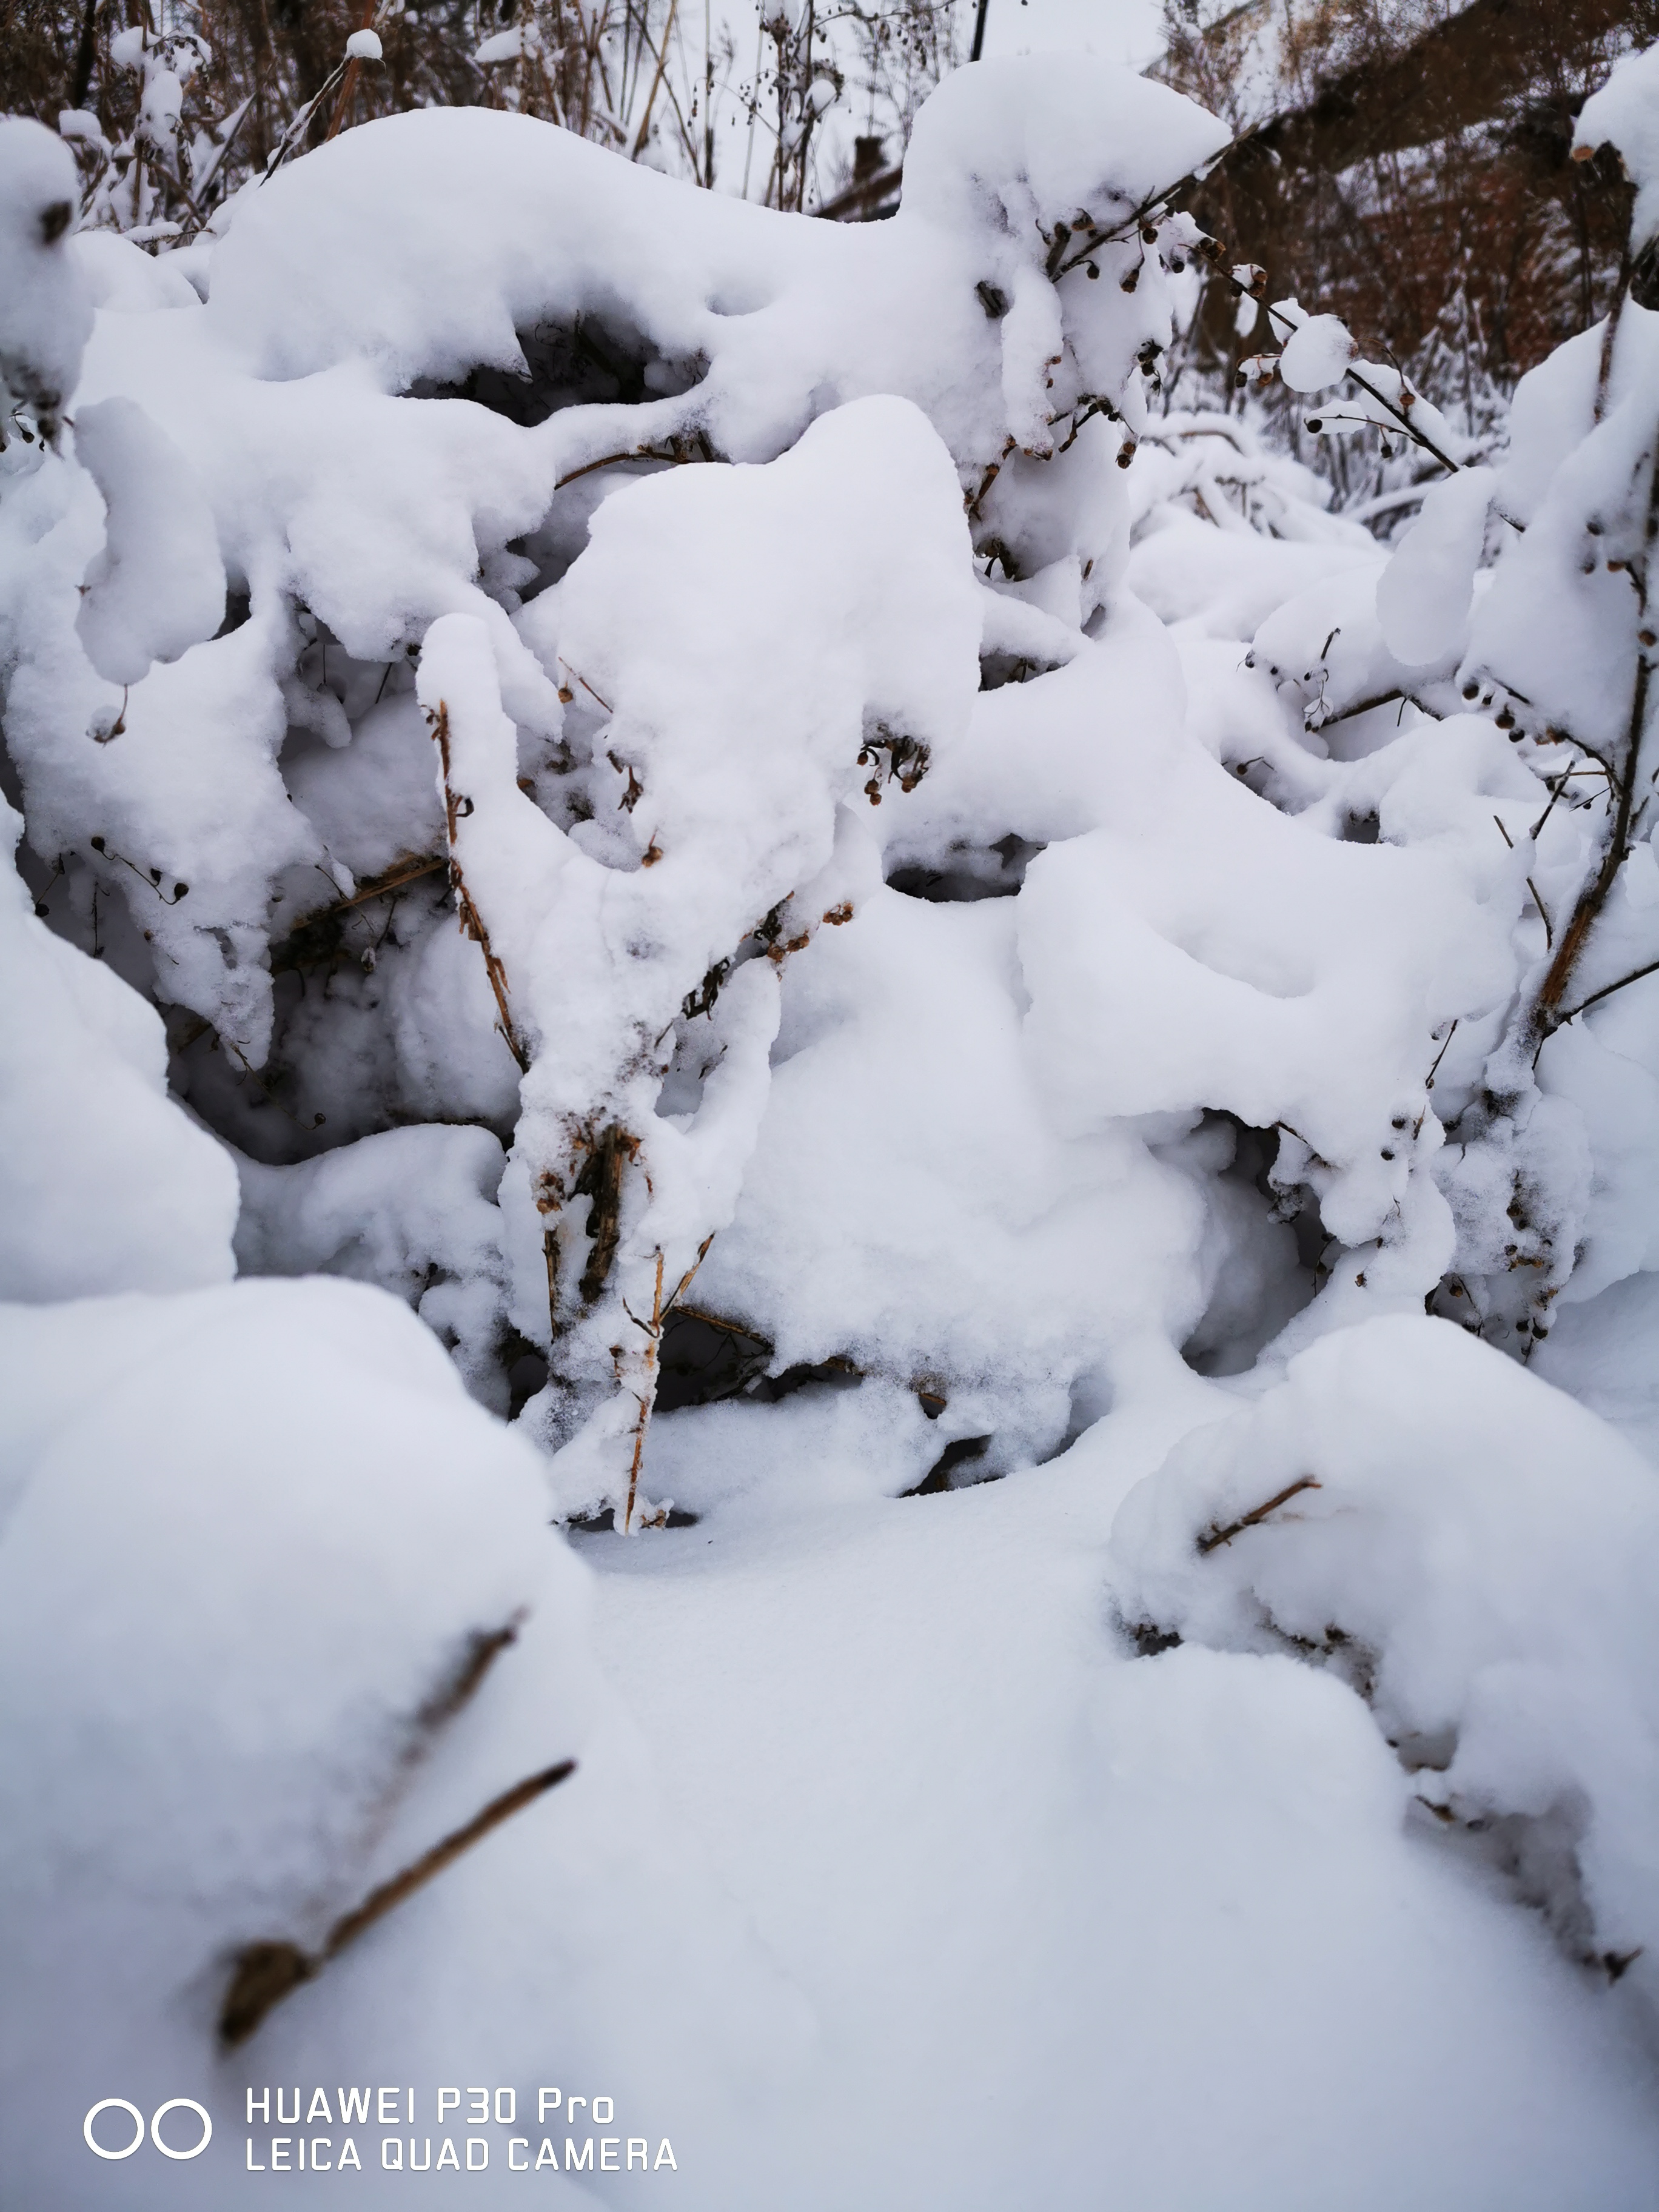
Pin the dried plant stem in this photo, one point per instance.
(1214, 1539)
(380, 1901)
(1545, 1015)
(348, 82)
(646, 1397)
(1607, 991)
(405, 872)
(456, 809)
(602, 1180)
(266, 1972)
(609, 460)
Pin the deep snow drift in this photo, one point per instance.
(1008, 1048)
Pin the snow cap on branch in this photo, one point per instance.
(1059, 139)
(1624, 114)
(158, 586)
(1318, 354)
(46, 316)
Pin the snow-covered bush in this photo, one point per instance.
(1475, 1555)
(722, 806)
(662, 773)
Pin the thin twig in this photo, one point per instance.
(1215, 1538)
(1428, 1080)
(348, 82)
(301, 124)
(646, 1398)
(381, 885)
(1606, 992)
(266, 1972)
(661, 58)
(380, 1901)
(1543, 914)
(472, 922)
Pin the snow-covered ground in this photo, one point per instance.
(1077, 1926)
(757, 1036)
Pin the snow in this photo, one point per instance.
(1423, 596)
(682, 775)
(1316, 355)
(412, 1210)
(158, 586)
(123, 279)
(1474, 1553)
(363, 1530)
(154, 1203)
(918, 1708)
(1624, 113)
(45, 314)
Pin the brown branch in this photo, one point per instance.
(654, 1336)
(1214, 1538)
(456, 810)
(1428, 1080)
(348, 82)
(266, 1972)
(1156, 208)
(686, 1278)
(609, 460)
(380, 1901)
(660, 1309)
(868, 190)
(1543, 1017)
(985, 483)
(1606, 992)
(85, 54)
(1610, 332)
(551, 1255)
(1402, 420)
(481, 1650)
(394, 880)
(1543, 913)
(601, 1180)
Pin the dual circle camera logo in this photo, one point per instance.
(154, 2130)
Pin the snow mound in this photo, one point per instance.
(279, 1610)
(1475, 1554)
(152, 1201)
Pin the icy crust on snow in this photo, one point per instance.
(1477, 1555)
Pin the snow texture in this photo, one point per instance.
(153, 1201)
(44, 313)
(839, 992)
(1624, 114)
